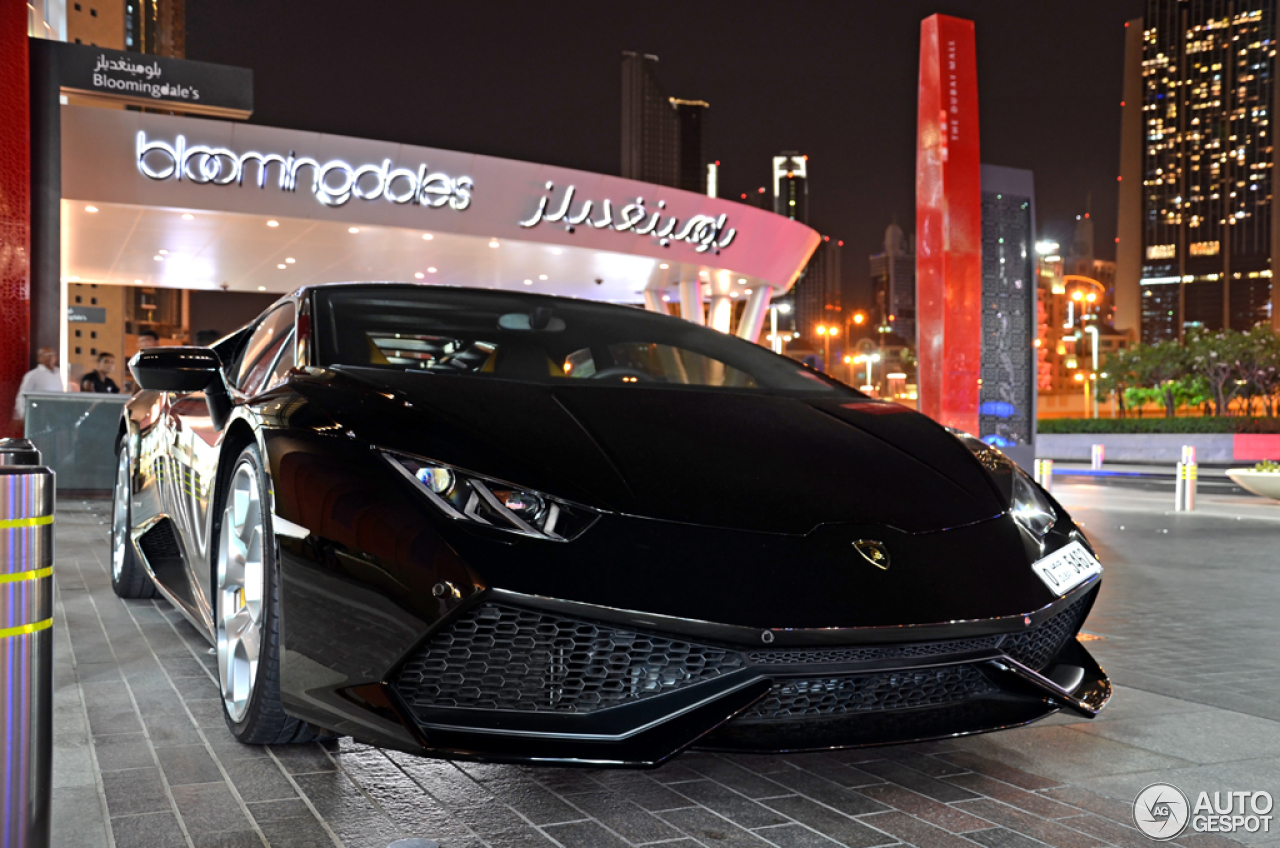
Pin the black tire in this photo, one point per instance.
(129, 579)
(264, 721)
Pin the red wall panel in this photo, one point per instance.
(949, 224)
(15, 206)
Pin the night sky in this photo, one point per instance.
(836, 80)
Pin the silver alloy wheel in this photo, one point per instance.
(120, 515)
(241, 586)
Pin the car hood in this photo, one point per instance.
(729, 459)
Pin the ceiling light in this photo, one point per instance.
(733, 294)
(493, 243)
(741, 282)
(353, 230)
(431, 270)
(74, 279)
(138, 282)
(664, 266)
(262, 288)
(528, 282)
(557, 251)
(162, 252)
(187, 216)
(419, 275)
(427, 237)
(290, 260)
(704, 274)
(158, 258)
(282, 266)
(542, 276)
(748, 291)
(666, 298)
(273, 223)
(91, 209)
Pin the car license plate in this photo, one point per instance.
(1066, 568)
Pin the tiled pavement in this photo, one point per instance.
(143, 757)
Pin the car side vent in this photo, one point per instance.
(160, 544)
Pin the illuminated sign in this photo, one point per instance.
(1205, 248)
(702, 231)
(178, 84)
(1162, 251)
(333, 183)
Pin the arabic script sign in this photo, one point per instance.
(189, 86)
(333, 183)
(702, 231)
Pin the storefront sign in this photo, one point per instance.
(703, 231)
(333, 183)
(180, 84)
(86, 315)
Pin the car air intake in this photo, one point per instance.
(503, 658)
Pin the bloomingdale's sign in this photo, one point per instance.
(702, 231)
(333, 183)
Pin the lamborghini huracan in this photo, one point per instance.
(519, 528)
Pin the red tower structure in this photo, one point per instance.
(949, 224)
(15, 207)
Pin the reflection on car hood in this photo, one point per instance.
(717, 458)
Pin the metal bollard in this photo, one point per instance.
(1044, 474)
(1096, 456)
(1184, 487)
(26, 645)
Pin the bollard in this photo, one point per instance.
(1095, 457)
(1044, 474)
(1184, 487)
(26, 645)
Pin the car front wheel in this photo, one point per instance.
(247, 612)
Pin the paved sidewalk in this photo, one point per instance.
(144, 759)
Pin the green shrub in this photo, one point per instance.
(1158, 425)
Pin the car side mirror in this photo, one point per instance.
(184, 370)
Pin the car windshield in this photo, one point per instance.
(540, 339)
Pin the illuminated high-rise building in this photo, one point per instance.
(662, 137)
(158, 27)
(1206, 97)
(791, 186)
(893, 284)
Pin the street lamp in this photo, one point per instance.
(1093, 331)
(827, 333)
(868, 358)
(848, 361)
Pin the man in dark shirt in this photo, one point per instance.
(99, 379)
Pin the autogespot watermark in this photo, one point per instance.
(1162, 812)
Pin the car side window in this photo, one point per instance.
(284, 362)
(260, 351)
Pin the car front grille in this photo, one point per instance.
(872, 652)
(813, 697)
(499, 657)
(503, 658)
(1035, 647)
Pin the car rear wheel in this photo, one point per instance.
(247, 612)
(128, 578)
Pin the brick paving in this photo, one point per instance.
(144, 760)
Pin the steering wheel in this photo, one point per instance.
(623, 371)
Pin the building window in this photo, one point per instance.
(93, 351)
(94, 301)
(93, 13)
(93, 334)
(77, 334)
(77, 7)
(77, 351)
(77, 298)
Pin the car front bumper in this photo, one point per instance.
(510, 678)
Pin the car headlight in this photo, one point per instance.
(473, 499)
(1027, 503)
(1030, 507)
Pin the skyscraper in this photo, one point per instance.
(791, 186)
(661, 135)
(1207, 96)
(893, 284)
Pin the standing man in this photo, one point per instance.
(43, 378)
(99, 379)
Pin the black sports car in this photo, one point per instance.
(512, 527)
